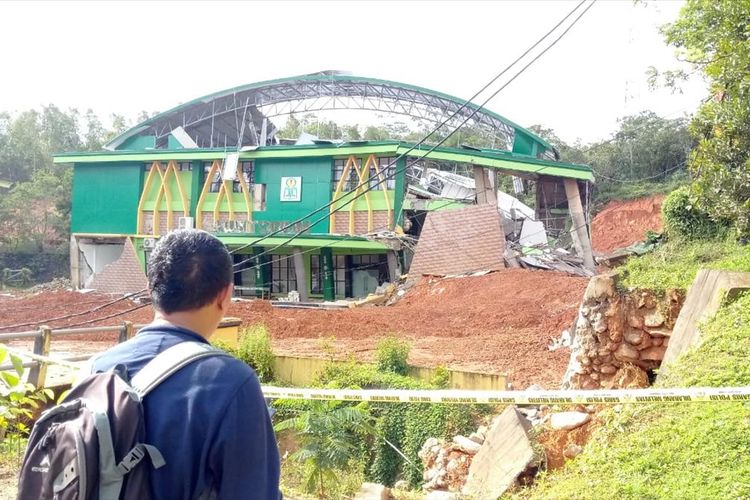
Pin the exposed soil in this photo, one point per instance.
(498, 323)
(622, 223)
(555, 441)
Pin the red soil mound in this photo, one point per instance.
(622, 223)
(498, 323)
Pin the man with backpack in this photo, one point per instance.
(208, 433)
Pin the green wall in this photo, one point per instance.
(316, 189)
(105, 197)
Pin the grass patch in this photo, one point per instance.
(609, 191)
(692, 450)
(675, 264)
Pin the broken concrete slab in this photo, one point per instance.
(703, 301)
(568, 420)
(505, 454)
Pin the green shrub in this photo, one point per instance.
(441, 377)
(391, 355)
(684, 219)
(255, 350)
(405, 426)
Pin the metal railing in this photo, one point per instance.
(43, 341)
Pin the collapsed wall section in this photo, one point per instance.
(619, 338)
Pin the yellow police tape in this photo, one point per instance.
(684, 395)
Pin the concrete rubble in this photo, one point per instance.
(504, 456)
(485, 464)
(372, 491)
(568, 420)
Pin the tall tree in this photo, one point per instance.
(714, 36)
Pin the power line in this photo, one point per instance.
(398, 171)
(439, 126)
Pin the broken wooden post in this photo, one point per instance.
(579, 229)
(301, 275)
(38, 372)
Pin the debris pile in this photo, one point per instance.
(619, 338)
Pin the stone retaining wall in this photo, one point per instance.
(618, 336)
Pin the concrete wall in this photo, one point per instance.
(302, 371)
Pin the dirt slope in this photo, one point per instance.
(622, 223)
(498, 323)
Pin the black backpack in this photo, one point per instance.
(91, 446)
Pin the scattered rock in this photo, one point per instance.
(653, 319)
(401, 485)
(568, 420)
(635, 321)
(572, 450)
(373, 491)
(659, 332)
(600, 326)
(476, 437)
(626, 352)
(634, 337)
(467, 445)
(608, 369)
(653, 353)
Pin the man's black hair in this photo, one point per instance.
(187, 270)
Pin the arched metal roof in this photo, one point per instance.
(242, 116)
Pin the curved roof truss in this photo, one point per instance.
(242, 116)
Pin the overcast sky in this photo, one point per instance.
(128, 57)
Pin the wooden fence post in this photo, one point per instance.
(126, 332)
(38, 372)
(129, 330)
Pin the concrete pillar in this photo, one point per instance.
(485, 191)
(75, 272)
(301, 275)
(394, 270)
(579, 229)
(329, 283)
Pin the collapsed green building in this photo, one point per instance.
(217, 163)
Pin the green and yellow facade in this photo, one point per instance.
(168, 172)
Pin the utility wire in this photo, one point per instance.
(398, 171)
(444, 122)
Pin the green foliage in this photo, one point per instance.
(18, 399)
(441, 377)
(684, 219)
(646, 155)
(608, 191)
(254, 349)
(713, 37)
(675, 264)
(673, 450)
(328, 434)
(391, 355)
(400, 425)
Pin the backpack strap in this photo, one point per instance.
(168, 362)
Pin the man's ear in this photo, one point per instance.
(225, 297)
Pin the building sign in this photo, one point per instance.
(259, 227)
(291, 188)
